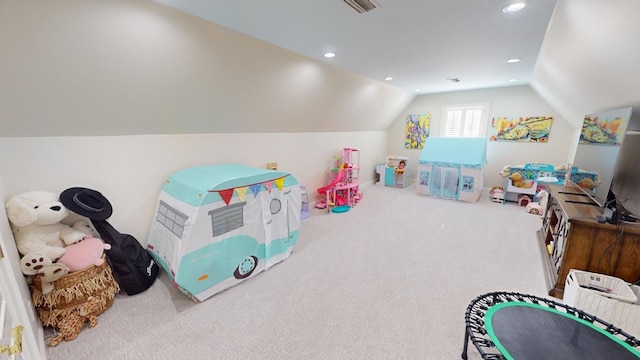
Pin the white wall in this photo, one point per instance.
(590, 59)
(510, 102)
(126, 67)
(96, 94)
(130, 170)
(78, 68)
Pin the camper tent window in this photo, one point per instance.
(275, 206)
(468, 184)
(171, 218)
(227, 218)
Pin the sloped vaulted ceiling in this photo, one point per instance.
(590, 59)
(92, 67)
(419, 43)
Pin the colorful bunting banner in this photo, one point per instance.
(255, 189)
(279, 183)
(268, 185)
(226, 195)
(242, 191)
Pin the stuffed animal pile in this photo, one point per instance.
(86, 252)
(587, 183)
(518, 181)
(49, 248)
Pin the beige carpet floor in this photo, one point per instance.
(390, 279)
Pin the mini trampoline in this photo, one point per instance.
(505, 326)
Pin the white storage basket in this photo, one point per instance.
(615, 306)
(604, 285)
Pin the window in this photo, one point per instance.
(171, 218)
(464, 120)
(227, 218)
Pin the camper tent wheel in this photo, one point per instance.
(246, 267)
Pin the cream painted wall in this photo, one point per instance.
(130, 170)
(97, 94)
(75, 71)
(510, 102)
(126, 67)
(590, 59)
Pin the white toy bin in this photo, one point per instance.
(617, 306)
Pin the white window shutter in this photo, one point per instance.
(454, 120)
(464, 120)
(472, 121)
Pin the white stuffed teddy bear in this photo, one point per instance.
(33, 263)
(86, 228)
(40, 266)
(35, 220)
(50, 274)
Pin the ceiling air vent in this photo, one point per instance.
(362, 6)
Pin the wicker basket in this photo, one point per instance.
(72, 290)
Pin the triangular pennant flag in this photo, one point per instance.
(279, 183)
(268, 185)
(255, 189)
(242, 191)
(226, 195)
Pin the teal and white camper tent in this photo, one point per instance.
(452, 168)
(218, 225)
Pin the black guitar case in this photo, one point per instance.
(133, 267)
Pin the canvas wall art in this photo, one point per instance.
(606, 128)
(417, 130)
(522, 129)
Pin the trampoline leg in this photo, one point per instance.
(466, 343)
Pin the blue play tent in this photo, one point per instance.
(218, 225)
(452, 168)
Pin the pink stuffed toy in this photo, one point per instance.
(84, 253)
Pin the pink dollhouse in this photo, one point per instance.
(342, 191)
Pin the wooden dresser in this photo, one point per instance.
(571, 238)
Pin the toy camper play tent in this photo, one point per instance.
(452, 168)
(218, 225)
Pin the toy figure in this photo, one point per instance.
(399, 173)
(497, 194)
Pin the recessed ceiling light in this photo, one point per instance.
(417, 90)
(513, 80)
(514, 6)
(388, 78)
(329, 55)
(513, 60)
